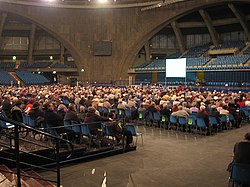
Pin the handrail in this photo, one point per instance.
(37, 131)
(18, 127)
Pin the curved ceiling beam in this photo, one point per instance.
(141, 41)
(179, 36)
(208, 21)
(79, 6)
(242, 19)
(57, 36)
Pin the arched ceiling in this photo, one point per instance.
(90, 4)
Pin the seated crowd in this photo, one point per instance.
(59, 103)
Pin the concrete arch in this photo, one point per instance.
(133, 51)
(57, 36)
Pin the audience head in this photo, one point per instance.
(61, 107)
(247, 136)
(72, 107)
(202, 108)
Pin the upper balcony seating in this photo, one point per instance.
(174, 55)
(197, 51)
(40, 65)
(197, 61)
(231, 45)
(30, 78)
(143, 65)
(7, 65)
(230, 60)
(57, 65)
(157, 64)
(6, 78)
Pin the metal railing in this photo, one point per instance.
(43, 155)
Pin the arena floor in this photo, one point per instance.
(167, 159)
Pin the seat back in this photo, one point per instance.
(105, 110)
(192, 121)
(157, 116)
(213, 120)
(182, 120)
(241, 173)
(223, 118)
(85, 130)
(132, 129)
(76, 127)
(231, 117)
(173, 119)
(128, 112)
(67, 123)
(201, 122)
(141, 115)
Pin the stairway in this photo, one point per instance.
(8, 179)
(12, 74)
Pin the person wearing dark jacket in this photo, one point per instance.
(6, 106)
(71, 114)
(91, 118)
(241, 152)
(16, 112)
(54, 120)
(36, 114)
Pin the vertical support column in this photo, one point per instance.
(31, 43)
(62, 54)
(3, 19)
(179, 36)
(147, 52)
(208, 21)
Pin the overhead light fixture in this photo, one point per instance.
(102, 1)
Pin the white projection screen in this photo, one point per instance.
(176, 67)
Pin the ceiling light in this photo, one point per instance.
(102, 1)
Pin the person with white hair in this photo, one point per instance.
(181, 112)
(204, 115)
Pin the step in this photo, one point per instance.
(27, 181)
(9, 176)
(42, 182)
(4, 181)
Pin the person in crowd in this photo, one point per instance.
(234, 109)
(82, 113)
(181, 112)
(61, 110)
(214, 113)
(119, 130)
(71, 114)
(37, 114)
(29, 106)
(241, 152)
(203, 114)
(92, 120)
(55, 121)
(16, 112)
(6, 106)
